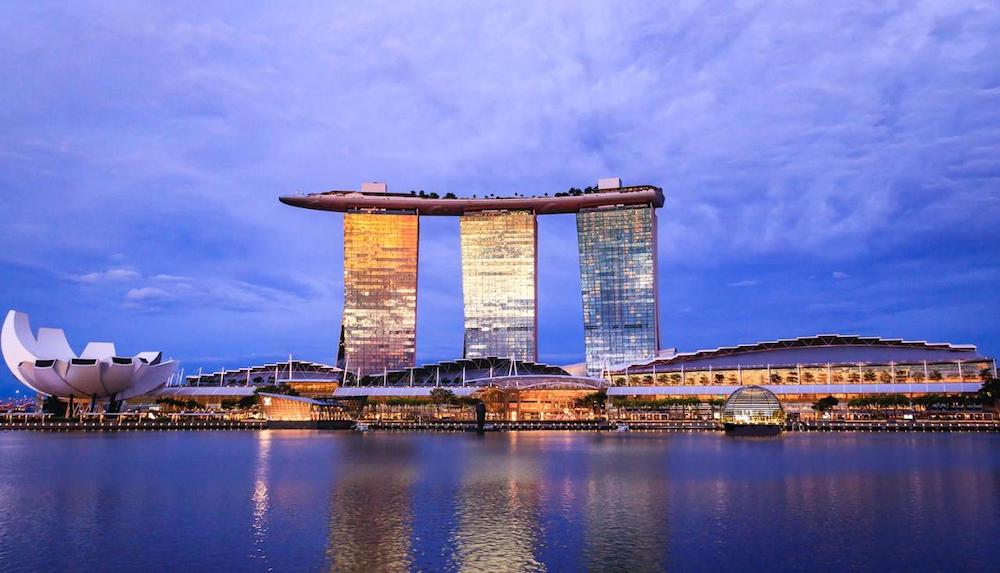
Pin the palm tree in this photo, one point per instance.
(441, 396)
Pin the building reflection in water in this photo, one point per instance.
(370, 509)
(626, 514)
(498, 517)
(503, 503)
(259, 498)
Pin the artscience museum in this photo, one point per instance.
(47, 364)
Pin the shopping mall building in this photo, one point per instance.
(802, 370)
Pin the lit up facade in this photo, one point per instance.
(379, 329)
(803, 369)
(618, 278)
(499, 254)
(617, 232)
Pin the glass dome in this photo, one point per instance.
(753, 405)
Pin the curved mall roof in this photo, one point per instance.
(466, 376)
(452, 372)
(517, 382)
(819, 349)
(344, 201)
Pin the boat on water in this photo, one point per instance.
(362, 427)
(760, 430)
(622, 428)
(753, 411)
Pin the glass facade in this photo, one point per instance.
(848, 375)
(499, 262)
(618, 278)
(380, 292)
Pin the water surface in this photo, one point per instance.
(542, 501)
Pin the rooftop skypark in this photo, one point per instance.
(571, 201)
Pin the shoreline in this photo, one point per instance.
(503, 426)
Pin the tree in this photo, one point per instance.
(595, 401)
(936, 375)
(808, 377)
(441, 396)
(825, 404)
(450, 195)
(52, 405)
(869, 375)
(179, 404)
(989, 393)
(884, 377)
(775, 378)
(284, 389)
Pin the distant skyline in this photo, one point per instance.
(827, 168)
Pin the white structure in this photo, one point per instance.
(48, 365)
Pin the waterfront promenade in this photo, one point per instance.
(136, 422)
(127, 422)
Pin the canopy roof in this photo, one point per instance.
(818, 349)
(520, 382)
(454, 372)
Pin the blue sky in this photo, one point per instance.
(828, 167)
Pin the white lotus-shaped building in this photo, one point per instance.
(47, 364)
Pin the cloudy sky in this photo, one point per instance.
(828, 166)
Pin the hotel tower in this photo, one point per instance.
(616, 230)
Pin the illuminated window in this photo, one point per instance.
(380, 291)
(498, 284)
(618, 278)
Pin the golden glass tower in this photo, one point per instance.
(379, 327)
(499, 264)
(618, 278)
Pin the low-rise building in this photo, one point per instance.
(802, 370)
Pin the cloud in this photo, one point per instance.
(146, 293)
(168, 292)
(111, 275)
(839, 275)
(745, 283)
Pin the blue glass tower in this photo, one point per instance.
(618, 278)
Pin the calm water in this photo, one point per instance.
(306, 501)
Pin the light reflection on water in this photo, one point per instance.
(259, 497)
(307, 501)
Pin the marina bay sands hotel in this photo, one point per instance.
(616, 232)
